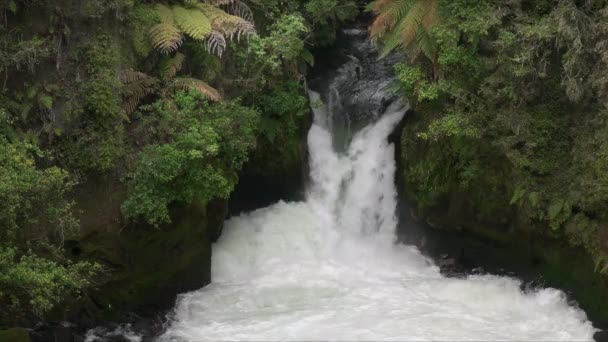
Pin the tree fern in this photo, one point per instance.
(201, 21)
(192, 21)
(405, 24)
(165, 36)
(137, 85)
(216, 43)
(170, 66)
(227, 24)
(240, 9)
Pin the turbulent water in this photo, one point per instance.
(328, 268)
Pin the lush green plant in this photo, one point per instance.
(500, 111)
(31, 196)
(206, 145)
(29, 283)
(406, 24)
(35, 217)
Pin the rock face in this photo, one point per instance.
(144, 267)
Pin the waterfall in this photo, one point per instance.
(328, 268)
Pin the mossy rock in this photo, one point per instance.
(145, 267)
(15, 335)
(150, 266)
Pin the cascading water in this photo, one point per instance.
(328, 268)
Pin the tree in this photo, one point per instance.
(200, 21)
(406, 24)
(138, 85)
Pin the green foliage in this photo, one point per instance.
(326, 16)
(23, 54)
(199, 21)
(207, 145)
(283, 108)
(32, 197)
(328, 11)
(34, 216)
(405, 24)
(283, 43)
(103, 86)
(34, 284)
(504, 122)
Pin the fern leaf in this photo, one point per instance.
(426, 44)
(405, 24)
(165, 13)
(240, 9)
(227, 24)
(216, 43)
(166, 37)
(170, 66)
(137, 85)
(187, 83)
(192, 21)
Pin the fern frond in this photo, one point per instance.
(216, 43)
(405, 24)
(170, 66)
(192, 22)
(431, 14)
(137, 85)
(426, 44)
(166, 37)
(227, 24)
(165, 13)
(239, 9)
(188, 83)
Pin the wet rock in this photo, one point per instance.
(449, 266)
(601, 336)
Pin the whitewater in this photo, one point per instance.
(329, 267)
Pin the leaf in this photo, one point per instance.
(192, 21)
(137, 85)
(405, 24)
(166, 37)
(46, 102)
(170, 66)
(216, 43)
(227, 24)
